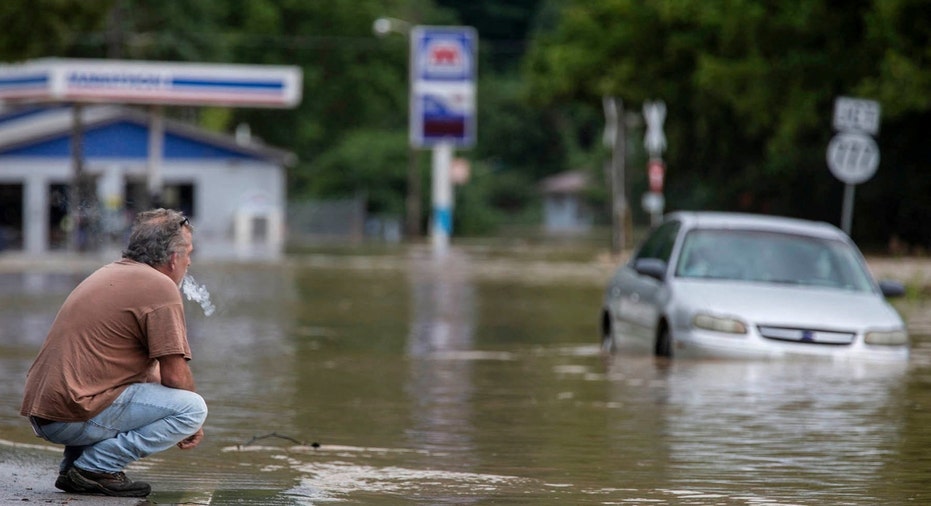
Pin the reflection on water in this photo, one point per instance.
(813, 428)
(413, 379)
(441, 325)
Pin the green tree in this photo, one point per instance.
(502, 28)
(901, 31)
(353, 80)
(749, 86)
(371, 162)
(167, 30)
(355, 85)
(43, 28)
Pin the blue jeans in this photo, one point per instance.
(146, 418)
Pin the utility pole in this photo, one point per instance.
(412, 200)
(615, 138)
(114, 33)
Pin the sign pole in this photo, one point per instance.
(847, 217)
(654, 114)
(156, 148)
(442, 224)
(853, 155)
(76, 195)
(442, 105)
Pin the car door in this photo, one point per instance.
(637, 296)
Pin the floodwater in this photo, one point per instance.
(401, 378)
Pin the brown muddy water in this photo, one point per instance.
(401, 378)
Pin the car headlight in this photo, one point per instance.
(726, 324)
(896, 337)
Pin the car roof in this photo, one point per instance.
(719, 219)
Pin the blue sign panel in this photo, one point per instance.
(444, 53)
(443, 71)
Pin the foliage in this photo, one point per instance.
(350, 131)
(43, 28)
(501, 27)
(373, 162)
(513, 136)
(168, 30)
(492, 198)
(902, 34)
(749, 87)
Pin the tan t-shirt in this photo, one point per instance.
(107, 335)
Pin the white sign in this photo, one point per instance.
(443, 75)
(654, 113)
(856, 115)
(852, 157)
(653, 202)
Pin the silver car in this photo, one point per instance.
(708, 284)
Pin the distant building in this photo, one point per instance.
(565, 209)
(233, 189)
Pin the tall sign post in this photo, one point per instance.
(853, 155)
(654, 114)
(442, 117)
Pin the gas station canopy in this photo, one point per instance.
(153, 84)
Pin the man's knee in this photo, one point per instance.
(194, 410)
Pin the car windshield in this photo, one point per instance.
(772, 257)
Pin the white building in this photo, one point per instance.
(565, 210)
(232, 189)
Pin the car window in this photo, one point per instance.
(660, 242)
(752, 255)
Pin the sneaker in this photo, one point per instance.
(112, 484)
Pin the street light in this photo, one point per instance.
(382, 27)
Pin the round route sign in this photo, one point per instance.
(853, 157)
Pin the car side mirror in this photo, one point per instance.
(652, 267)
(891, 289)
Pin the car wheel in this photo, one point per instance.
(663, 342)
(607, 336)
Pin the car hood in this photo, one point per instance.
(787, 305)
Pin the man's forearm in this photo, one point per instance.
(176, 373)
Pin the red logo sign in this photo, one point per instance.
(445, 55)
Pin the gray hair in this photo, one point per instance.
(155, 235)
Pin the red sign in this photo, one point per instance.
(655, 172)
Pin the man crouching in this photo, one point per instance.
(112, 382)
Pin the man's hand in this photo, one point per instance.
(192, 441)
